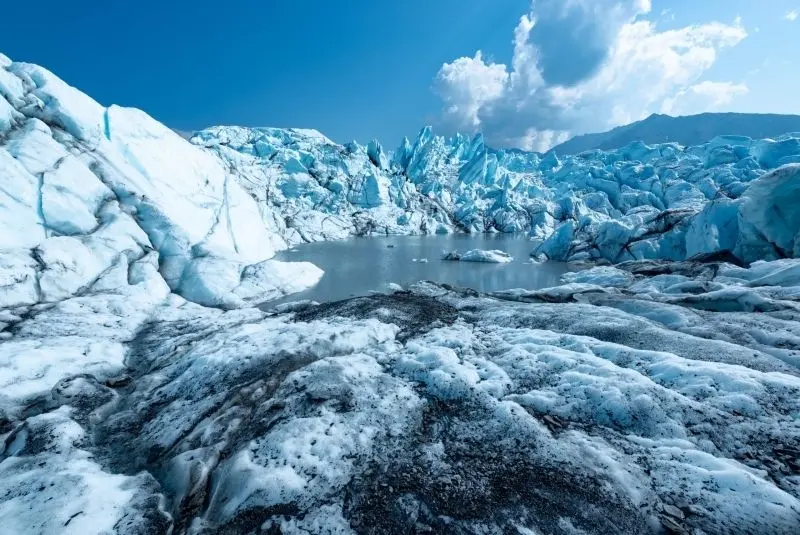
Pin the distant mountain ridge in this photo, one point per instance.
(686, 130)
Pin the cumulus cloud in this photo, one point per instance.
(792, 15)
(467, 85)
(584, 65)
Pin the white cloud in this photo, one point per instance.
(541, 140)
(702, 97)
(585, 65)
(792, 15)
(468, 84)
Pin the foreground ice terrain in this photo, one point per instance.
(141, 393)
(626, 401)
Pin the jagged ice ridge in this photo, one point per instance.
(638, 202)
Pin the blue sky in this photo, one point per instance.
(357, 70)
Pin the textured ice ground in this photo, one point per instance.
(140, 392)
(634, 399)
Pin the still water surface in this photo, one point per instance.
(357, 266)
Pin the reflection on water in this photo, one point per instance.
(357, 266)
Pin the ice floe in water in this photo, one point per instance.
(494, 256)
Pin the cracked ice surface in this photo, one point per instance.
(82, 184)
(622, 402)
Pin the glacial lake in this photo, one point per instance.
(358, 266)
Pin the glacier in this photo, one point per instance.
(656, 389)
(638, 202)
(87, 184)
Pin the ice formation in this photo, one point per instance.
(140, 392)
(493, 256)
(637, 202)
(86, 188)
